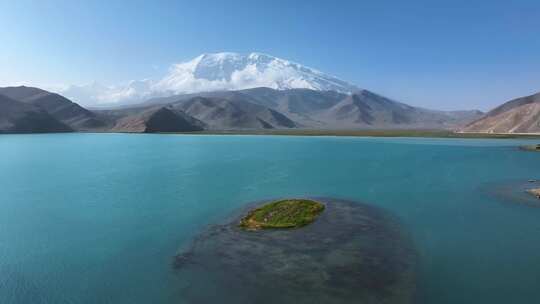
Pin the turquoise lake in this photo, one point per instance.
(98, 218)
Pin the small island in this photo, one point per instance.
(535, 192)
(286, 213)
(531, 148)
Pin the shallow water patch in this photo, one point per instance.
(513, 191)
(353, 253)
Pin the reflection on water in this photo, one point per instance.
(353, 253)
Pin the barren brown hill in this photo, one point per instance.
(223, 113)
(18, 117)
(160, 119)
(56, 105)
(521, 115)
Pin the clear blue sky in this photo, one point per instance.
(438, 54)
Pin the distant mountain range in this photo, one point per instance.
(311, 109)
(27, 109)
(521, 115)
(230, 91)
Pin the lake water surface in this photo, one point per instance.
(98, 218)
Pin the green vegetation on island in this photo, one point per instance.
(287, 213)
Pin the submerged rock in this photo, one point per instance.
(352, 253)
(531, 148)
(514, 191)
(535, 192)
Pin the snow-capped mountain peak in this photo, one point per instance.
(233, 71)
(223, 71)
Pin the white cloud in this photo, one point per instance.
(211, 72)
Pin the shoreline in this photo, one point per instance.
(368, 133)
(338, 133)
